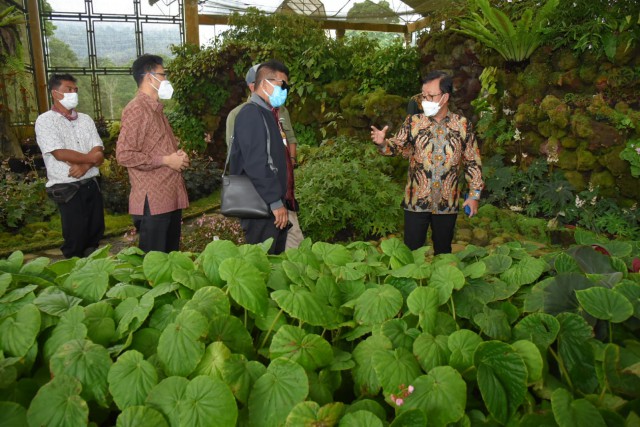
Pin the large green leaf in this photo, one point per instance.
(132, 313)
(276, 393)
(55, 301)
(240, 375)
(395, 368)
(574, 413)
(531, 357)
(168, 396)
(497, 263)
(576, 351)
(19, 332)
(210, 302)
(130, 379)
(441, 395)
(255, 255)
(494, 323)
(413, 271)
(539, 328)
(70, 327)
(632, 292)
(590, 260)
(58, 404)
(246, 284)
(431, 351)
(90, 282)
(410, 418)
(99, 319)
(158, 266)
(399, 333)
(462, 344)
(310, 414)
(525, 272)
(12, 415)
(310, 351)
(360, 419)
(378, 304)
(180, 347)
(424, 301)
(303, 305)
(141, 416)
(605, 304)
(364, 375)
(230, 330)
(213, 255)
(398, 252)
(190, 279)
(560, 293)
(502, 378)
(444, 279)
(125, 290)
(213, 360)
(206, 402)
(87, 362)
(622, 370)
(332, 254)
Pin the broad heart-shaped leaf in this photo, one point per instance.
(444, 278)
(213, 360)
(19, 332)
(58, 404)
(398, 252)
(132, 313)
(525, 272)
(364, 375)
(332, 254)
(565, 263)
(210, 259)
(240, 375)
(574, 413)
(303, 305)
(190, 279)
(394, 368)
(502, 378)
(605, 304)
(311, 414)
(431, 351)
(618, 369)
(167, 397)
(130, 379)
(310, 351)
(230, 330)
(493, 323)
(210, 302)
(141, 416)
(539, 328)
(101, 326)
(246, 284)
(410, 418)
(256, 257)
(424, 301)
(89, 363)
(125, 290)
(399, 333)
(497, 263)
(413, 271)
(475, 270)
(360, 419)
(180, 347)
(462, 344)
(630, 290)
(441, 395)
(377, 304)
(158, 267)
(69, 328)
(206, 402)
(55, 301)
(560, 293)
(12, 415)
(531, 357)
(590, 260)
(276, 393)
(576, 351)
(90, 282)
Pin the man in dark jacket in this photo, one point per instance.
(274, 182)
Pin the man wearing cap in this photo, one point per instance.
(294, 235)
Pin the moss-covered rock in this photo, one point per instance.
(613, 163)
(576, 179)
(480, 237)
(534, 79)
(629, 187)
(586, 161)
(588, 72)
(381, 107)
(527, 115)
(569, 142)
(605, 181)
(567, 160)
(556, 110)
(581, 125)
(545, 128)
(604, 136)
(531, 142)
(564, 59)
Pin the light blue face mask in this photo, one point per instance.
(278, 97)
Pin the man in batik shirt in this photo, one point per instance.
(440, 145)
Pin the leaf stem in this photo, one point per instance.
(273, 325)
(562, 368)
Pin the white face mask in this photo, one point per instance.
(431, 108)
(70, 100)
(165, 91)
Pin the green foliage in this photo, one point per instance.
(495, 30)
(377, 335)
(631, 154)
(345, 192)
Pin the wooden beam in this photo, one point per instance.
(412, 27)
(191, 22)
(35, 35)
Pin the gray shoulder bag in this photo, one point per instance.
(239, 198)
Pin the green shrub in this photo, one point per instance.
(345, 192)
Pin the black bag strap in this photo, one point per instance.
(270, 160)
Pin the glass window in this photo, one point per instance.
(115, 94)
(119, 7)
(115, 43)
(160, 7)
(85, 95)
(66, 6)
(158, 37)
(67, 44)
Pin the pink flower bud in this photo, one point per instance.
(399, 402)
(410, 389)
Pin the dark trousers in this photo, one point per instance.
(258, 230)
(158, 232)
(416, 225)
(82, 220)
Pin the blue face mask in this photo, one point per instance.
(278, 97)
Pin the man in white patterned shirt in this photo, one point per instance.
(72, 151)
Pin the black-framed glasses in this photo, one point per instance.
(284, 85)
(429, 97)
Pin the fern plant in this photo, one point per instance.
(495, 30)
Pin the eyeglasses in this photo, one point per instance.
(431, 97)
(284, 85)
(160, 74)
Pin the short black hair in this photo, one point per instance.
(143, 65)
(270, 67)
(446, 81)
(55, 80)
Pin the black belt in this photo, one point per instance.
(86, 181)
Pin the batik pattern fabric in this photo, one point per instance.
(440, 154)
